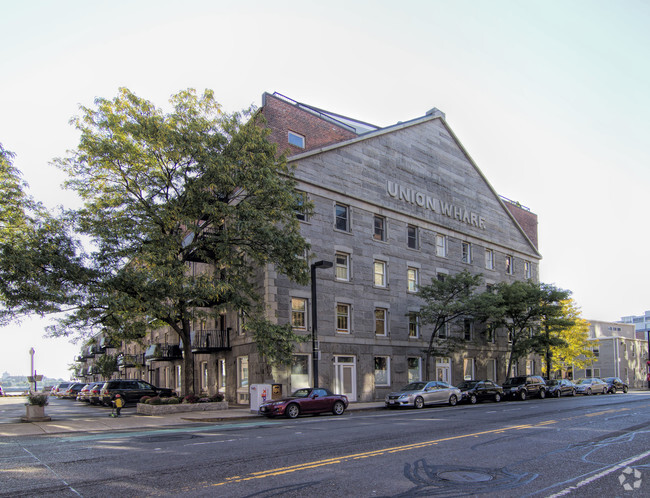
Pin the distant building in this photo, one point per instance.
(617, 353)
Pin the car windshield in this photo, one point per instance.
(585, 381)
(468, 384)
(514, 381)
(301, 393)
(414, 386)
(552, 382)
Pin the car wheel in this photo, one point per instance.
(473, 399)
(419, 402)
(589, 392)
(453, 400)
(558, 393)
(522, 395)
(613, 390)
(497, 397)
(338, 408)
(292, 411)
(573, 392)
(542, 393)
(625, 390)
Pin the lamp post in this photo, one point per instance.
(31, 353)
(314, 313)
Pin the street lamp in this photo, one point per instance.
(314, 313)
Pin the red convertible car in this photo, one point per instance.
(307, 400)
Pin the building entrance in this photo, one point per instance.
(345, 376)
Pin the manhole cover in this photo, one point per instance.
(464, 476)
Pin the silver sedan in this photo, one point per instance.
(419, 394)
(591, 386)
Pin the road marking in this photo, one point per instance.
(369, 454)
(604, 473)
(53, 472)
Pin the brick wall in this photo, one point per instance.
(526, 219)
(283, 117)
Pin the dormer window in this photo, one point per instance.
(297, 140)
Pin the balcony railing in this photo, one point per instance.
(130, 360)
(163, 352)
(81, 359)
(209, 341)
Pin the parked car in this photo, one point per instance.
(94, 394)
(303, 401)
(480, 390)
(591, 386)
(560, 387)
(130, 391)
(84, 394)
(58, 389)
(524, 386)
(1, 391)
(419, 394)
(72, 391)
(615, 384)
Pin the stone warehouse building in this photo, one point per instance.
(393, 207)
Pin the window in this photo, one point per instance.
(443, 332)
(297, 140)
(528, 269)
(380, 228)
(342, 266)
(341, 218)
(343, 318)
(414, 325)
(510, 265)
(492, 370)
(301, 200)
(204, 376)
(597, 372)
(299, 313)
(242, 380)
(530, 367)
(489, 259)
(441, 276)
(468, 327)
(490, 334)
(596, 350)
(179, 378)
(300, 372)
(466, 252)
(468, 368)
(414, 369)
(412, 277)
(221, 374)
(381, 321)
(441, 246)
(382, 371)
(412, 237)
(380, 273)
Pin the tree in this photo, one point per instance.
(575, 349)
(167, 193)
(447, 301)
(107, 364)
(554, 318)
(522, 308)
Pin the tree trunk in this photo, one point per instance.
(187, 383)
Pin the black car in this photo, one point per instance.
(524, 386)
(615, 384)
(130, 391)
(480, 390)
(560, 387)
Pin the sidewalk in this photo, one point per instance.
(135, 421)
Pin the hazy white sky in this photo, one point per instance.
(550, 98)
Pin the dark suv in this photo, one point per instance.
(130, 390)
(524, 386)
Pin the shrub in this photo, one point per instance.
(216, 397)
(37, 399)
(154, 401)
(171, 401)
(144, 399)
(191, 398)
(205, 400)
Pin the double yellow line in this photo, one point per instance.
(368, 454)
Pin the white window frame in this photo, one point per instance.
(340, 307)
(509, 265)
(466, 250)
(243, 379)
(418, 378)
(346, 218)
(383, 274)
(441, 246)
(489, 259)
(528, 269)
(302, 215)
(204, 376)
(342, 271)
(295, 311)
(413, 325)
(385, 321)
(179, 377)
(296, 139)
(413, 279)
(221, 375)
(415, 238)
(387, 370)
(468, 369)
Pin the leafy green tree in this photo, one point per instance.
(554, 318)
(178, 208)
(447, 301)
(574, 349)
(107, 364)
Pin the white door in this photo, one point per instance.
(443, 370)
(345, 376)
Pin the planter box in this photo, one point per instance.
(143, 409)
(35, 413)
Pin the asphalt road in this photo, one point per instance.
(583, 446)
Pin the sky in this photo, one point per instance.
(550, 99)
